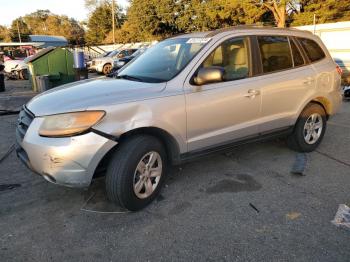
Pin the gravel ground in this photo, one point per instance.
(244, 205)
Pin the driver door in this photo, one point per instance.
(219, 113)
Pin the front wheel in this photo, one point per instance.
(309, 129)
(23, 74)
(136, 172)
(106, 69)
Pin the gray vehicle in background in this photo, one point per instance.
(186, 97)
(104, 64)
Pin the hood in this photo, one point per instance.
(103, 59)
(87, 94)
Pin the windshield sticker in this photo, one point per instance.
(198, 40)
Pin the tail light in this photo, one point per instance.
(339, 70)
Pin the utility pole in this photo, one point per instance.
(19, 33)
(113, 20)
(314, 23)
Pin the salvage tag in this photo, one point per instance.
(198, 40)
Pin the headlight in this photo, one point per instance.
(69, 124)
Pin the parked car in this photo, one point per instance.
(16, 69)
(347, 92)
(104, 64)
(91, 66)
(121, 62)
(188, 96)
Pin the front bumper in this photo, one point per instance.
(68, 161)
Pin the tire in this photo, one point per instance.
(106, 69)
(123, 177)
(307, 136)
(23, 74)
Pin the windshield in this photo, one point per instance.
(163, 61)
(138, 52)
(113, 53)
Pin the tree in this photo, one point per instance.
(100, 20)
(150, 19)
(19, 30)
(43, 22)
(326, 11)
(5, 35)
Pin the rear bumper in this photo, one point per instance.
(68, 161)
(337, 100)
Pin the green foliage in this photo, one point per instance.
(4, 34)
(100, 21)
(326, 11)
(43, 22)
(19, 28)
(158, 19)
(148, 20)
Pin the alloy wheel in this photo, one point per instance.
(147, 174)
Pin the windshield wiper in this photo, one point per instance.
(128, 77)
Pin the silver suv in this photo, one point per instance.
(185, 97)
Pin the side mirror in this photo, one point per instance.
(213, 74)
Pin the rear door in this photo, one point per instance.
(286, 81)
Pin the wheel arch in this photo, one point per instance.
(171, 146)
(324, 103)
(169, 142)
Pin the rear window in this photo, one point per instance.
(275, 53)
(297, 57)
(312, 49)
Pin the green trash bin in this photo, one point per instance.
(56, 63)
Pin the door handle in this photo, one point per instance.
(252, 93)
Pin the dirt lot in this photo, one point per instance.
(205, 212)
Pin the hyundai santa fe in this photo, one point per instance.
(185, 97)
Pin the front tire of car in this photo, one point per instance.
(107, 68)
(23, 74)
(136, 172)
(309, 130)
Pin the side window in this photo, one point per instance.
(233, 56)
(275, 53)
(297, 57)
(312, 49)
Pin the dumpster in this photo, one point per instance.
(55, 63)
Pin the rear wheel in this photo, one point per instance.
(136, 172)
(309, 129)
(106, 69)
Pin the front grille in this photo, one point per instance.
(24, 120)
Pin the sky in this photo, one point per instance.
(11, 9)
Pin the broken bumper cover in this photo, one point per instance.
(68, 161)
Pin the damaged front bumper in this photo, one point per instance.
(68, 161)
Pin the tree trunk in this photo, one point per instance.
(281, 22)
(278, 11)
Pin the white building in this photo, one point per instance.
(336, 37)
